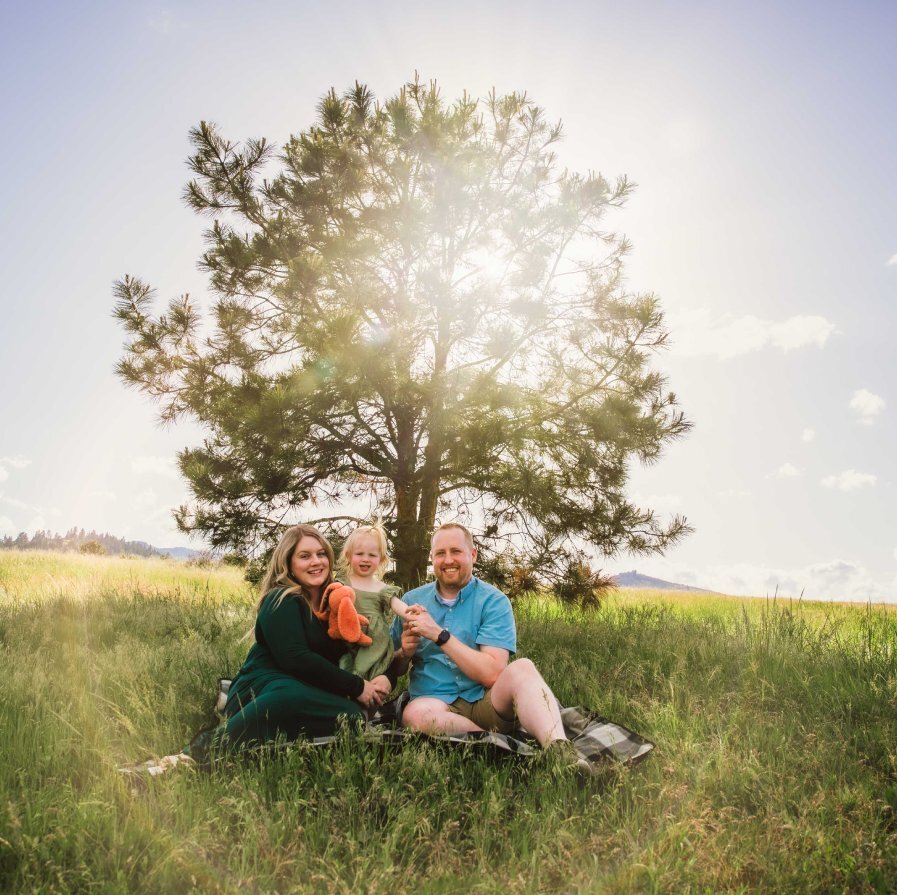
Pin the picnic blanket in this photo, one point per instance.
(596, 738)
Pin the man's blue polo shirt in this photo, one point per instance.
(481, 616)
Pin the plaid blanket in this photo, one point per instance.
(595, 738)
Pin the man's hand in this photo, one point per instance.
(482, 664)
(410, 641)
(423, 625)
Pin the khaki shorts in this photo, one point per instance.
(483, 714)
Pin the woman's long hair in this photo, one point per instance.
(279, 574)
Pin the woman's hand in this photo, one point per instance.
(371, 694)
(384, 687)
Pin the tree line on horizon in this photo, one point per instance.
(77, 540)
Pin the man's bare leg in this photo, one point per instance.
(432, 716)
(521, 689)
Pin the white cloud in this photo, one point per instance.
(111, 496)
(7, 463)
(849, 480)
(6, 526)
(733, 492)
(696, 334)
(659, 502)
(162, 22)
(145, 499)
(683, 137)
(808, 435)
(165, 466)
(37, 516)
(38, 521)
(12, 502)
(15, 462)
(162, 512)
(867, 406)
(895, 553)
(799, 331)
(835, 573)
(787, 471)
(892, 260)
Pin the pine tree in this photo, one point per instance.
(416, 308)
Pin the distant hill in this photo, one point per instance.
(178, 552)
(634, 579)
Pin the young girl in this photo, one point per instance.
(361, 564)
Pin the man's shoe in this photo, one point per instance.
(569, 761)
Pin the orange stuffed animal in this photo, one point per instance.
(343, 619)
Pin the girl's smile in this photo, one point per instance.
(365, 558)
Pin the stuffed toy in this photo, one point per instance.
(343, 619)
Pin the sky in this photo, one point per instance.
(762, 137)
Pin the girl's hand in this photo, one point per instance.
(384, 687)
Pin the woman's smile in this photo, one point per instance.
(310, 564)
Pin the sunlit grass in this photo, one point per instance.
(775, 768)
(33, 576)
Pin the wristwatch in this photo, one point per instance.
(443, 637)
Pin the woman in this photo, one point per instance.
(291, 684)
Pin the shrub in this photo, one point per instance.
(235, 559)
(581, 586)
(201, 561)
(510, 571)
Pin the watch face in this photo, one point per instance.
(443, 636)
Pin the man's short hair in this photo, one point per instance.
(449, 525)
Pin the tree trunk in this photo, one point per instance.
(429, 479)
(405, 548)
(411, 567)
(429, 493)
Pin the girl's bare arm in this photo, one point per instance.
(403, 610)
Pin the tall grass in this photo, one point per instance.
(775, 768)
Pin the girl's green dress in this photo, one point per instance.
(369, 661)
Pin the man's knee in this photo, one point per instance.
(522, 670)
(422, 712)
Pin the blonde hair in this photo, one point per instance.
(450, 525)
(374, 531)
(279, 573)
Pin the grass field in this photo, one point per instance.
(775, 768)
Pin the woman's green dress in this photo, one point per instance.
(290, 685)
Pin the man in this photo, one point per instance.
(461, 638)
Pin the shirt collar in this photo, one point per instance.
(465, 591)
